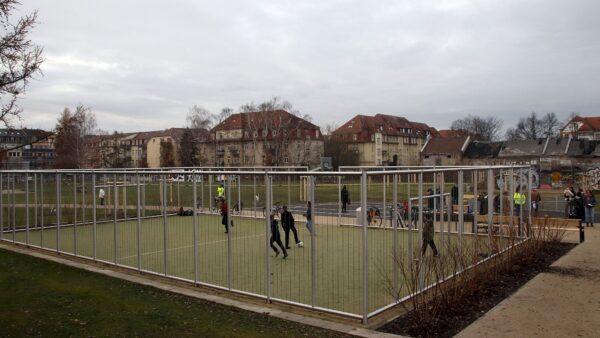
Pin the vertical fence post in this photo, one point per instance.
(83, 205)
(210, 193)
(14, 211)
(139, 224)
(511, 196)
(461, 209)
(490, 188)
(530, 186)
(27, 208)
(339, 222)
(165, 230)
(125, 195)
(195, 220)
(115, 207)
(58, 212)
(365, 247)
(94, 216)
(267, 232)
(313, 241)
(35, 202)
(229, 233)
(384, 179)
(411, 224)
(254, 194)
(42, 210)
(420, 225)
(442, 221)
(1, 207)
(75, 214)
(395, 253)
(475, 210)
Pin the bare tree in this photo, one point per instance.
(532, 127)
(71, 130)
(485, 129)
(329, 128)
(199, 118)
(21, 60)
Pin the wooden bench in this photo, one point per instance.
(498, 221)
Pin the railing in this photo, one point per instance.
(340, 266)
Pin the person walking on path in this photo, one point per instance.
(579, 205)
(276, 238)
(590, 203)
(225, 214)
(287, 222)
(101, 196)
(428, 232)
(308, 215)
(345, 197)
(536, 199)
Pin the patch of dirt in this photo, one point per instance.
(591, 274)
(454, 319)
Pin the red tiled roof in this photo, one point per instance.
(364, 126)
(448, 145)
(590, 123)
(272, 120)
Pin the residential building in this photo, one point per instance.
(446, 151)
(582, 128)
(267, 138)
(26, 148)
(384, 139)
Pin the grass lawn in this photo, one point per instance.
(41, 298)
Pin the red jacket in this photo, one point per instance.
(224, 208)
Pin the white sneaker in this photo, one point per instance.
(300, 244)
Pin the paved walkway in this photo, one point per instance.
(564, 302)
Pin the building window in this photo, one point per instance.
(274, 132)
(265, 133)
(354, 137)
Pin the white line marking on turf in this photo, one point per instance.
(190, 246)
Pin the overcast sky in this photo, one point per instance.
(140, 65)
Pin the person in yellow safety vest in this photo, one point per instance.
(220, 191)
(519, 200)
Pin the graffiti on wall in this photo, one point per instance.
(592, 179)
(519, 179)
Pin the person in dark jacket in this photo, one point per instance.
(345, 198)
(589, 202)
(276, 238)
(225, 214)
(287, 222)
(428, 232)
(579, 206)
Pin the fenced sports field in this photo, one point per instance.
(348, 265)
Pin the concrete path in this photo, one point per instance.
(564, 302)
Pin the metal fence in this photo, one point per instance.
(348, 261)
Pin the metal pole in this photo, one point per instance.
(84, 206)
(14, 213)
(195, 220)
(476, 203)
(42, 210)
(58, 178)
(420, 221)
(35, 202)
(530, 185)
(125, 196)
(75, 214)
(490, 187)
(461, 209)
(339, 200)
(1, 208)
(228, 227)
(396, 256)
(139, 224)
(313, 241)
(267, 232)
(384, 198)
(254, 196)
(115, 199)
(511, 199)
(365, 247)
(27, 209)
(94, 212)
(289, 197)
(442, 221)
(410, 223)
(165, 231)
(210, 193)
